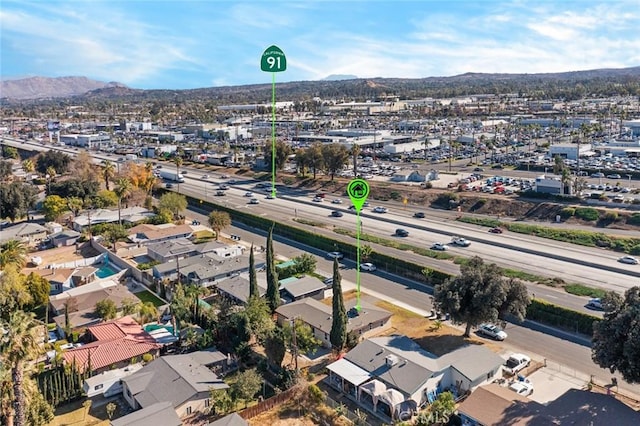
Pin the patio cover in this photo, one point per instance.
(349, 372)
(392, 397)
(375, 388)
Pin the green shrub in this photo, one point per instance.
(147, 265)
(560, 317)
(583, 290)
(635, 249)
(446, 200)
(567, 212)
(634, 219)
(147, 357)
(587, 213)
(610, 216)
(315, 394)
(491, 223)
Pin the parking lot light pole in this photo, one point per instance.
(629, 176)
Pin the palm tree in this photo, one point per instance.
(178, 161)
(18, 346)
(28, 166)
(218, 221)
(51, 174)
(13, 252)
(108, 172)
(122, 190)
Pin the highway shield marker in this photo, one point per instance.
(358, 190)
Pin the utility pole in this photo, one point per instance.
(295, 344)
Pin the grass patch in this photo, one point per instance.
(583, 290)
(396, 245)
(397, 311)
(147, 296)
(310, 222)
(347, 295)
(512, 273)
(203, 236)
(491, 223)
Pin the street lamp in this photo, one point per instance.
(629, 176)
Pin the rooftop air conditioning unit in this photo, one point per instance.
(391, 360)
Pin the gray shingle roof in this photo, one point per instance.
(174, 247)
(473, 361)
(232, 419)
(161, 413)
(174, 378)
(303, 286)
(238, 288)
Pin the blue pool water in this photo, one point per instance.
(105, 271)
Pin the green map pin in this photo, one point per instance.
(358, 190)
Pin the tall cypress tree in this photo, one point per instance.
(338, 334)
(273, 290)
(253, 280)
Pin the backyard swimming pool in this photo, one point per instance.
(105, 271)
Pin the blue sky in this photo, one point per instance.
(172, 44)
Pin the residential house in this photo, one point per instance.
(236, 289)
(64, 238)
(183, 380)
(220, 249)
(161, 413)
(292, 289)
(147, 233)
(93, 217)
(28, 233)
(82, 302)
(59, 278)
(114, 343)
(232, 419)
(205, 269)
(108, 383)
(169, 250)
(393, 374)
(369, 321)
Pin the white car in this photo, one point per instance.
(492, 331)
(317, 200)
(248, 194)
(516, 362)
(205, 176)
(367, 267)
(595, 303)
(335, 255)
(270, 197)
(522, 388)
(254, 201)
(459, 241)
(439, 246)
(380, 209)
(336, 201)
(629, 260)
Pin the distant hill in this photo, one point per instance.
(47, 88)
(336, 77)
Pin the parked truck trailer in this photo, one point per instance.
(173, 176)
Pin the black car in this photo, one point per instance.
(402, 232)
(336, 213)
(419, 215)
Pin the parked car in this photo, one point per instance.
(492, 331)
(254, 201)
(402, 232)
(336, 213)
(336, 201)
(203, 176)
(614, 176)
(629, 260)
(419, 215)
(496, 230)
(522, 388)
(380, 209)
(328, 281)
(595, 303)
(335, 255)
(516, 362)
(439, 246)
(367, 267)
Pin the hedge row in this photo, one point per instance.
(557, 316)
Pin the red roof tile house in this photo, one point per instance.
(113, 344)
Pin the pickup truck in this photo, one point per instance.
(516, 362)
(459, 241)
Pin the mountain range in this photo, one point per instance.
(576, 84)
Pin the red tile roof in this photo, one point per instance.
(116, 341)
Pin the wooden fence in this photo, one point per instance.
(267, 404)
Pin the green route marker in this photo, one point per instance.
(273, 61)
(358, 190)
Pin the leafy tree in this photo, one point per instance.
(108, 173)
(106, 309)
(305, 263)
(58, 160)
(219, 220)
(75, 204)
(17, 198)
(53, 206)
(129, 306)
(163, 216)
(10, 152)
(338, 334)
(112, 232)
(335, 157)
(84, 168)
(275, 346)
(6, 169)
(14, 294)
(616, 339)
(438, 411)
(220, 400)
(253, 279)
(39, 288)
(18, 346)
(122, 191)
(365, 252)
(302, 162)
(273, 286)
(104, 199)
(305, 341)
(315, 158)
(259, 314)
(13, 252)
(175, 203)
(111, 409)
(83, 189)
(479, 294)
(248, 384)
(283, 151)
(355, 151)
(147, 312)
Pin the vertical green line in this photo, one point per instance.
(358, 261)
(273, 134)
